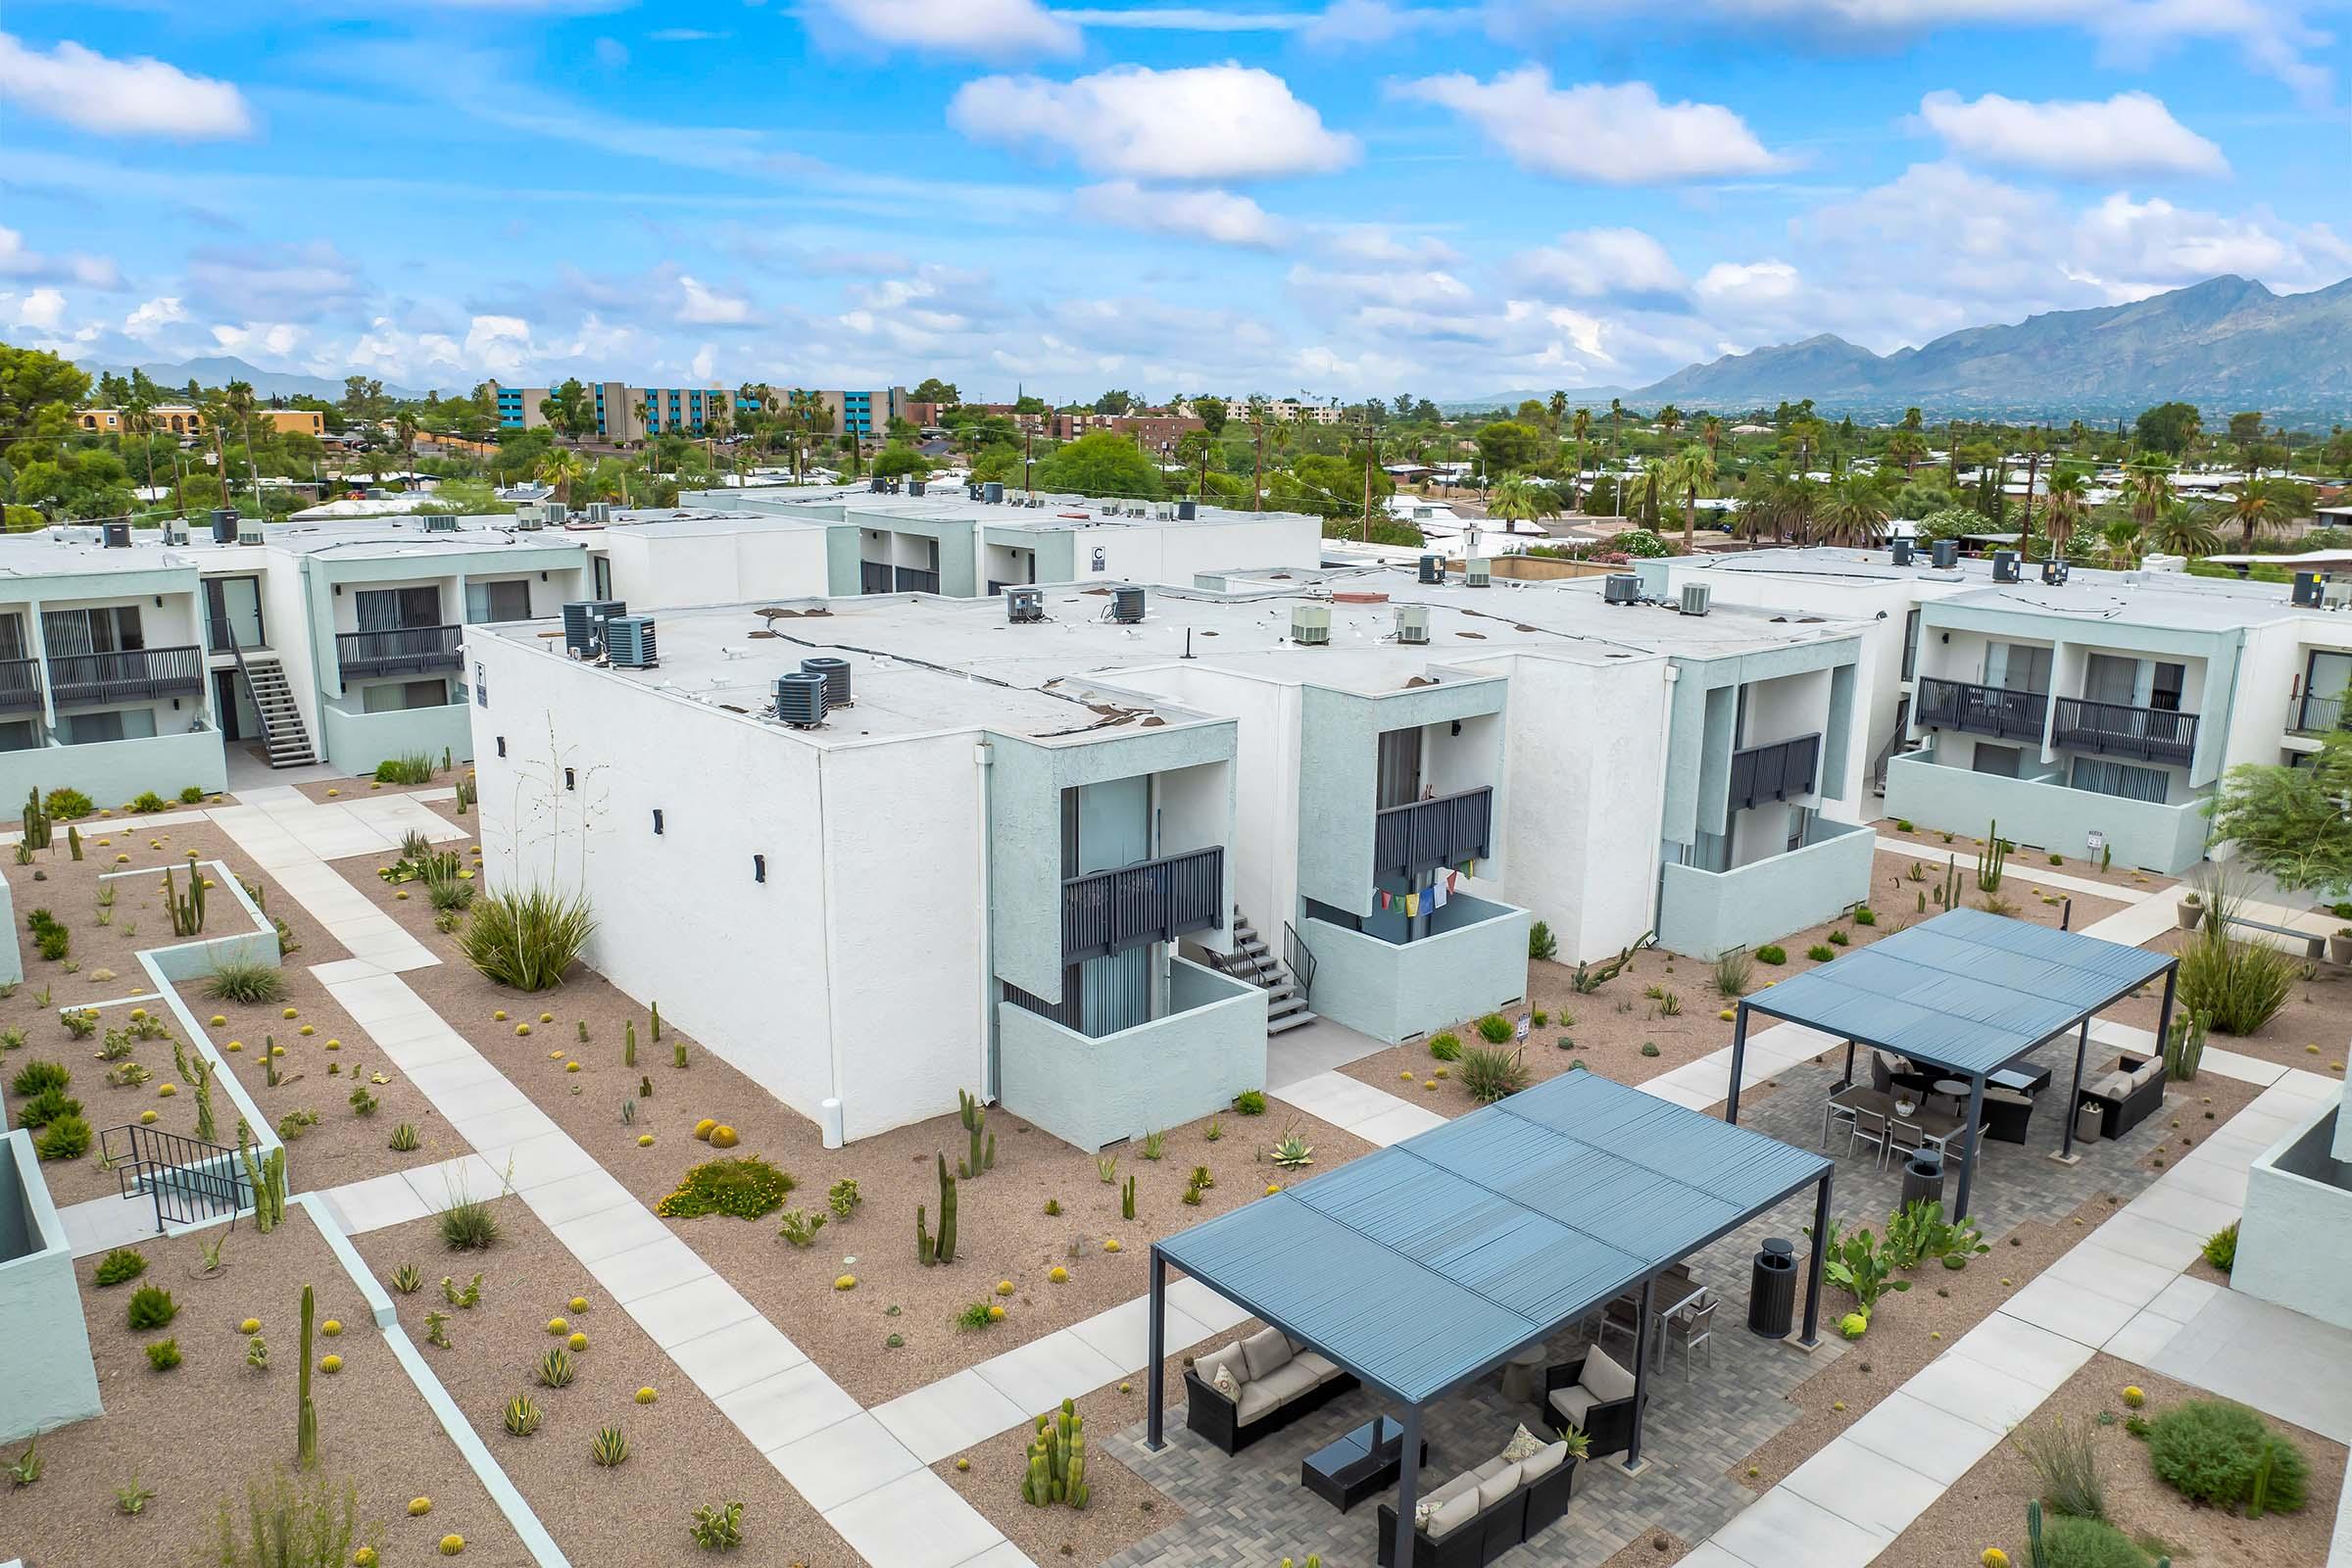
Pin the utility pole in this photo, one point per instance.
(1028, 440)
(1366, 530)
(1257, 464)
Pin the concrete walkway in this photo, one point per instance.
(867, 1484)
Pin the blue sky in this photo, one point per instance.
(1335, 197)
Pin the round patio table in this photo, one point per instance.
(1523, 1373)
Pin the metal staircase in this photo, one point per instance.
(1284, 980)
(188, 1181)
(282, 731)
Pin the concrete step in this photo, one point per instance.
(1275, 1026)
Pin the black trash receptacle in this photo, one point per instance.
(1771, 1291)
(1922, 1177)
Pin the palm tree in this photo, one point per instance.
(1908, 448)
(2148, 485)
(645, 416)
(2034, 444)
(2183, 528)
(2120, 539)
(1520, 499)
(1557, 408)
(1691, 474)
(1670, 419)
(1710, 430)
(138, 419)
(1850, 510)
(1616, 426)
(561, 470)
(1580, 426)
(2257, 509)
(2069, 506)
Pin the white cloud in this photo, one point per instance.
(1747, 285)
(109, 97)
(151, 318)
(987, 29)
(1197, 123)
(705, 361)
(2130, 134)
(2135, 248)
(1624, 265)
(292, 282)
(1378, 243)
(1598, 133)
(1218, 215)
(1188, 18)
(44, 309)
(18, 262)
(1369, 24)
(701, 305)
(272, 339)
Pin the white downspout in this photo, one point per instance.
(834, 1121)
(1658, 827)
(983, 759)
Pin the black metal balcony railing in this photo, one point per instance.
(2152, 734)
(2316, 715)
(1775, 771)
(402, 651)
(1153, 900)
(1994, 710)
(19, 684)
(132, 675)
(1423, 835)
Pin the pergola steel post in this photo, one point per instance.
(2066, 1139)
(1730, 1097)
(1967, 1141)
(1649, 1288)
(1408, 1483)
(2164, 1014)
(1821, 1239)
(1155, 1394)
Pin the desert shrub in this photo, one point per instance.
(413, 769)
(151, 1308)
(164, 1355)
(2212, 1451)
(1821, 953)
(240, 980)
(192, 795)
(468, 1226)
(2088, 1544)
(2220, 1248)
(1733, 973)
(2238, 987)
(1251, 1102)
(1540, 943)
(746, 1187)
(1446, 1047)
(1488, 1074)
(1839, 939)
(1495, 1029)
(45, 1107)
(64, 804)
(1771, 953)
(120, 1266)
(35, 1077)
(1866, 916)
(529, 939)
(2065, 1464)
(54, 943)
(65, 1138)
(149, 801)
(288, 1524)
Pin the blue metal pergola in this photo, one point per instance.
(1967, 991)
(1426, 1263)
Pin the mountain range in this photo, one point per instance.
(2226, 344)
(221, 370)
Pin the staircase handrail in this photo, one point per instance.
(236, 651)
(1300, 959)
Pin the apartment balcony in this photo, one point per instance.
(1708, 913)
(1775, 771)
(1472, 959)
(1205, 1047)
(19, 685)
(1974, 709)
(2112, 729)
(2314, 715)
(402, 651)
(2163, 836)
(1423, 835)
(132, 675)
(1153, 901)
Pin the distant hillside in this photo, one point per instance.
(2224, 344)
(221, 370)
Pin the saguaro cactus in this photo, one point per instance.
(974, 1117)
(305, 1419)
(1991, 860)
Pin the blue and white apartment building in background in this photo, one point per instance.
(627, 413)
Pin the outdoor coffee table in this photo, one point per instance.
(1357, 1464)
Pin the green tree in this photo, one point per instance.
(1114, 401)
(31, 379)
(2170, 428)
(561, 470)
(569, 410)
(1508, 447)
(1212, 412)
(2245, 429)
(2292, 823)
(1101, 464)
(2182, 528)
(1850, 510)
(1519, 499)
(2068, 505)
(934, 390)
(2148, 486)
(1689, 477)
(2256, 508)
(898, 460)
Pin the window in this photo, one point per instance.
(2171, 681)
(1911, 645)
(657, 822)
(1399, 782)
(397, 609)
(498, 601)
(2121, 779)
(121, 724)
(17, 735)
(1999, 761)
(109, 629)
(2017, 667)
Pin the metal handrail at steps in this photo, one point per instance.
(189, 1180)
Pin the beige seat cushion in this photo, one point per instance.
(2115, 1086)
(1452, 1514)
(1467, 1481)
(1286, 1382)
(1542, 1463)
(1323, 1370)
(1492, 1468)
(1607, 1380)
(1573, 1402)
(2146, 1074)
(1266, 1351)
(1256, 1400)
(1498, 1486)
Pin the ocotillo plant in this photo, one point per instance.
(305, 1419)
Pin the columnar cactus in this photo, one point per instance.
(36, 821)
(306, 1420)
(628, 1045)
(974, 1117)
(187, 913)
(1057, 1461)
(1127, 1199)
(73, 841)
(1991, 860)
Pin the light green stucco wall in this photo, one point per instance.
(2168, 838)
(1708, 913)
(1209, 1046)
(841, 580)
(1705, 710)
(1025, 782)
(1057, 551)
(358, 741)
(110, 772)
(45, 1360)
(957, 570)
(1395, 991)
(1338, 774)
(323, 574)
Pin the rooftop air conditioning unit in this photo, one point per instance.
(1127, 606)
(1621, 588)
(597, 512)
(801, 699)
(2004, 566)
(992, 492)
(1187, 510)
(973, 492)
(837, 679)
(2164, 563)
(1698, 597)
(1944, 555)
(175, 530)
(116, 536)
(1024, 604)
(915, 488)
(555, 512)
(2054, 572)
(879, 485)
(249, 530)
(629, 642)
(531, 517)
(1433, 568)
(584, 624)
(1899, 549)
(1476, 573)
(225, 525)
(2337, 593)
(1310, 626)
(1412, 624)
(2307, 590)
(440, 523)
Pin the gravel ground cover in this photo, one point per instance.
(1936, 848)
(2311, 1031)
